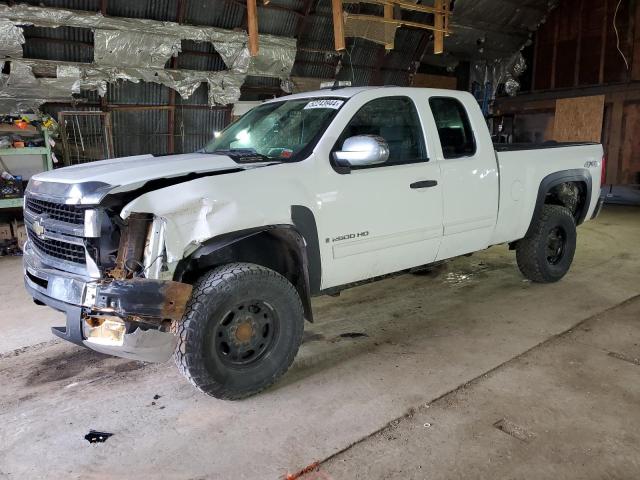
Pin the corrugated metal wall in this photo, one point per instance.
(153, 119)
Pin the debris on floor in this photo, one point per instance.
(353, 335)
(516, 431)
(300, 473)
(97, 437)
(624, 358)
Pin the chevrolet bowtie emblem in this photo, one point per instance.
(38, 229)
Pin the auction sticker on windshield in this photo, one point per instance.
(328, 103)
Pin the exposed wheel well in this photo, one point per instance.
(280, 249)
(572, 195)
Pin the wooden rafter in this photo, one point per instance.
(440, 27)
(399, 23)
(438, 33)
(338, 25)
(252, 27)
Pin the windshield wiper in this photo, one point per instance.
(244, 155)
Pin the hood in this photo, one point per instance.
(90, 182)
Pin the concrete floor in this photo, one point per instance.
(359, 405)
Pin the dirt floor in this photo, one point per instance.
(475, 373)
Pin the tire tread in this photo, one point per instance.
(527, 249)
(217, 281)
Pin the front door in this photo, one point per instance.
(384, 218)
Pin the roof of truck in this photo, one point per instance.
(345, 92)
(348, 92)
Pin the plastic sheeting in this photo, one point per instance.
(21, 91)
(224, 86)
(501, 71)
(137, 50)
(11, 39)
(134, 49)
(275, 58)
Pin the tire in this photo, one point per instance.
(546, 253)
(240, 332)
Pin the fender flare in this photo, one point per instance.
(300, 236)
(554, 179)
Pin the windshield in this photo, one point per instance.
(276, 131)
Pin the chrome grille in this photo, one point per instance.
(73, 214)
(58, 249)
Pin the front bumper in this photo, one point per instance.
(78, 298)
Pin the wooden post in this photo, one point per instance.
(390, 29)
(252, 27)
(438, 23)
(635, 56)
(338, 25)
(603, 41)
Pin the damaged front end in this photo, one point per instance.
(107, 274)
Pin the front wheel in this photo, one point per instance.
(241, 330)
(546, 253)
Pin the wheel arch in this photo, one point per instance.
(579, 176)
(289, 249)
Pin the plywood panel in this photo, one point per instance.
(434, 81)
(579, 119)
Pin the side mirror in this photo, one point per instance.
(362, 150)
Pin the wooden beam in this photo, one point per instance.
(405, 5)
(338, 25)
(603, 41)
(576, 72)
(438, 35)
(614, 150)
(534, 68)
(554, 54)
(635, 56)
(389, 30)
(252, 27)
(399, 23)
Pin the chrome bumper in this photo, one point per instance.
(75, 296)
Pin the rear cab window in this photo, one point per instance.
(454, 128)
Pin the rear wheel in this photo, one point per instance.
(546, 253)
(241, 330)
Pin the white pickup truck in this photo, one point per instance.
(214, 256)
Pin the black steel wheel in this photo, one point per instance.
(556, 245)
(241, 330)
(246, 333)
(546, 253)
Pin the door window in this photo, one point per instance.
(454, 129)
(396, 120)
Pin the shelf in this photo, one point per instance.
(12, 129)
(24, 151)
(11, 202)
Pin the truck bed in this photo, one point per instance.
(514, 147)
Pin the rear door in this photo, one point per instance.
(383, 218)
(470, 188)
